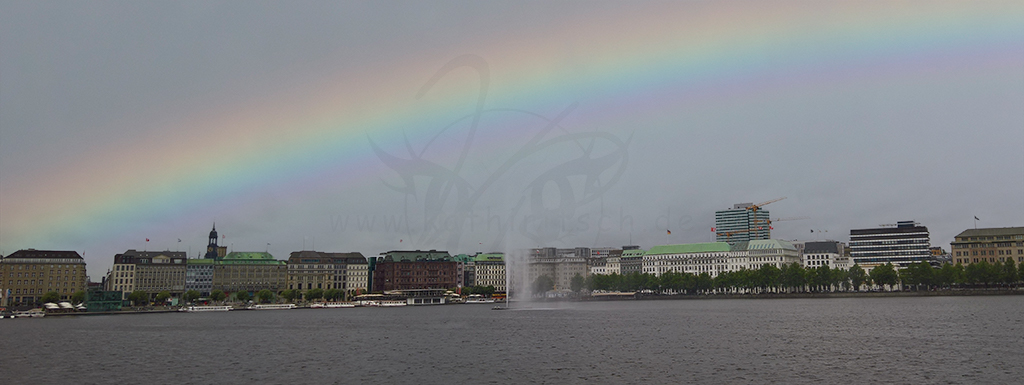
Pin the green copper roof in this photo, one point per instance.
(249, 257)
(489, 257)
(633, 253)
(200, 261)
(708, 247)
(768, 244)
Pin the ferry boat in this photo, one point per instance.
(193, 309)
(273, 306)
(331, 305)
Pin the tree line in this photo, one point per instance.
(794, 278)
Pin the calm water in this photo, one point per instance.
(854, 340)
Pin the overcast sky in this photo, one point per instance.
(601, 124)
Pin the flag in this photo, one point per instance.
(179, 239)
(976, 218)
(669, 232)
(812, 231)
(147, 239)
(712, 229)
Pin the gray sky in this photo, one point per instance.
(859, 115)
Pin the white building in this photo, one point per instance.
(718, 257)
(825, 253)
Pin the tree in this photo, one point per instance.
(1008, 275)
(885, 275)
(289, 295)
(191, 295)
(542, 284)
(218, 295)
(577, 283)
(265, 296)
(857, 276)
(78, 297)
(163, 296)
(242, 295)
(314, 294)
(139, 298)
(50, 297)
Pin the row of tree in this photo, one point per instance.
(794, 278)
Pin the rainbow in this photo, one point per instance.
(630, 66)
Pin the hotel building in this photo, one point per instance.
(991, 245)
(26, 275)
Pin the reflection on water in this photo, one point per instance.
(848, 340)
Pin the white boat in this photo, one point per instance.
(34, 313)
(391, 303)
(477, 298)
(331, 305)
(193, 309)
(273, 306)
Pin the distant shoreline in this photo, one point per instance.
(848, 294)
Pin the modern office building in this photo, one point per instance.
(901, 244)
(148, 271)
(26, 275)
(199, 275)
(988, 244)
(743, 222)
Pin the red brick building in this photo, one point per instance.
(407, 270)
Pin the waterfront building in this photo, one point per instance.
(605, 260)
(414, 269)
(757, 253)
(631, 260)
(249, 271)
(321, 270)
(988, 244)
(26, 275)
(488, 270)
(561, 265)
(97, 299)
(694, 258)
(199, 275)
(715, 258)
(824, 253)
(743, 222)
(902, 244)
(148, 271)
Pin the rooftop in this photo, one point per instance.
(992, 232)
(708, 247)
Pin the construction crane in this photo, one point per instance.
(770, 221)
(756, 207)
(729, 234)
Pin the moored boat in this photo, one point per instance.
(193, 309)
(273, 306)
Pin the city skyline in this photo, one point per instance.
(488, 127)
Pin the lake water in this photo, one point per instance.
(968, 340)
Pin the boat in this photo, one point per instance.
(392, 303)
(273, 306)
(336, 305)
(194, 309)
(34, 313)
(477, 298)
